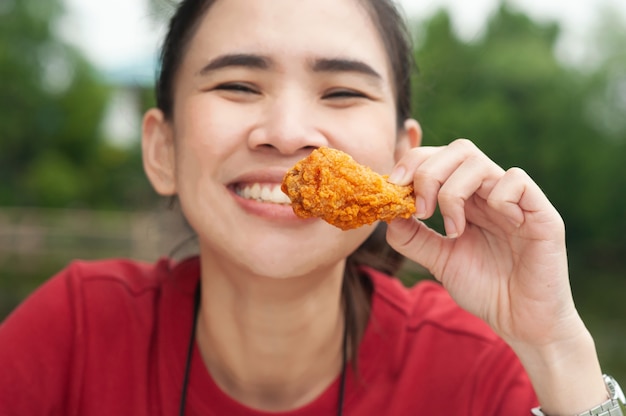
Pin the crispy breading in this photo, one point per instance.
(331, 185)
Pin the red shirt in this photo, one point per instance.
(110, 338)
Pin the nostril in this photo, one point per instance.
(286, 138)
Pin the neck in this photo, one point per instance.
(272, 344)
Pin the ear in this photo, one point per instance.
(158, 152)
(409, 137)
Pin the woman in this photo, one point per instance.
(287, 318)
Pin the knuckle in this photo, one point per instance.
(496, 201)
(446, 197)
(464, 145)
(423, 177)
(517, 172)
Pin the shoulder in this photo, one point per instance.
(130, 275)
(426, 305)
(109, 296)
(427, 349)
(90, 310)
(88, 290)
(86, 285)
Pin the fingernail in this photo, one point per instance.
(451, 230)
(420, 207)
(397, 175)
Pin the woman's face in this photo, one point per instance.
(263, 83)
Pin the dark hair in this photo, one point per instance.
(397, 40)
(374, 252)
(183, 26)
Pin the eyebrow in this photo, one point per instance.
(345, 65)
(236, 60)
(253, 61)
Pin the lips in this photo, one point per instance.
(262, 192)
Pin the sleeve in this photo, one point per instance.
(36, 343)
(502, 386)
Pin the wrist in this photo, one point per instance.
(566, 375)
(610, 407)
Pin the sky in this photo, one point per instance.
(121, 35)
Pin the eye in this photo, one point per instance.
(342, 93)
(237, 87)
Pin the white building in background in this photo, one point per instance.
(122, 120)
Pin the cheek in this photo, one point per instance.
(208, 126)
(370, 138)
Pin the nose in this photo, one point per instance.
(287, 124)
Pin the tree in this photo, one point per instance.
(509, 93)
(565, 125)
(51, 102)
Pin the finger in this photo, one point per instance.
(476, 175)
(517, 197)
(402, 173)
(429, 176)
(416, 241)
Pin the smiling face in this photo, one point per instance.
(262, 84)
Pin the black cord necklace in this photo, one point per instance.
(192, 338)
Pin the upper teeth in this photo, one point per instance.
(264, 192)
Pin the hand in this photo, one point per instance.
(504, 257)
(504, 260)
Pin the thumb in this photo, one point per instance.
(416, 241)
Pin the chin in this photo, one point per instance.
(274, 248)
(282, 256)
(288, 269)
(291, 264)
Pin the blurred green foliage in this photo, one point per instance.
(566, 126)
(52, 101)
(506, 91)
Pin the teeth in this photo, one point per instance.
(264, 193)
(255, 191)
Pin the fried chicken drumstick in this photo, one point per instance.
(329, 184)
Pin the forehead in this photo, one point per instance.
(290, 30)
